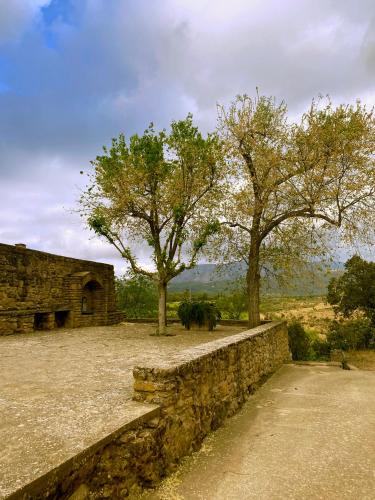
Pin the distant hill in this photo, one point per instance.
(205, 273)
(214, 279)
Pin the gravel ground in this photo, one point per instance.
(61, 391)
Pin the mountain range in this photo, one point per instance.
(212, 279)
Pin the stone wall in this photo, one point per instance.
(39, 290)
(189, 395)
(203, 385)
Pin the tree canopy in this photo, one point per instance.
(355, 289)
(156, 192)
(137, 296)
(290, 182)
(274, 187)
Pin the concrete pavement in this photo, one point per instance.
(308, 433)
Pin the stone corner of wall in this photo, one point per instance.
(246, 354)
(199, 388)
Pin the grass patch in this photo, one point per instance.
(313, 312)
(362, 359)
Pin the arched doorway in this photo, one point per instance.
(87, 299)
(92, 298)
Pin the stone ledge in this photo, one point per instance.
(227, 322)
(49, 485)
(187, 356)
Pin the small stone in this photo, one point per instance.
(144, 386)
(81, 493)
(154, 422)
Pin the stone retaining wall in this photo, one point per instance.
(191, 394)
(114, 467)
(200, 387)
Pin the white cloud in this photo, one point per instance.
(128, 63)
(15, 16)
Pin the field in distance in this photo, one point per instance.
(313, 312)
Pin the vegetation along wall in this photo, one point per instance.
(41, 291)
(189, 395)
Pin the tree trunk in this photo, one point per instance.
(162, 289)
(165, 305)
(253, 285)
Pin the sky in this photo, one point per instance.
(75, 73)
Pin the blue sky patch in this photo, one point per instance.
(58, 10)
(56, 13)
(4, 88)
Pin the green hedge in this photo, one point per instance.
(200, 313)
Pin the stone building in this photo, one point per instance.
(41, 291)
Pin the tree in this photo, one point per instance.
(156, 190)
(354, 290)
(291, 182)
(234, 302)
(357, 333)
(137, 296)
(299, 341)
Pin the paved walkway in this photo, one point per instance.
(308, 433)
(61, 391)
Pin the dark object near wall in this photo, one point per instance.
(299, 342)
(198, 313)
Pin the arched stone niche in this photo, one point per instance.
(87, 297)
(92, 300)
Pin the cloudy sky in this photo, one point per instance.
(75, 73)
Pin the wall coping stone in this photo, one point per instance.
(229, 322)
(185, 357)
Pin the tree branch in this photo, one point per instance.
(304, 212)
(236, 224)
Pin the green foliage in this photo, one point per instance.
(355, 289)
(352, 334)
(320, 348)
(342, 335)
(97, 223)
(291, 182)
(186, 294)
(299, 342)
(201, 313)
(159, 188)
(172, 308)
(232, 304)
(137, 296)
(210, 229)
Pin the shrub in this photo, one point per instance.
(352, 334)
(320, 348)
(137, 296)
(233, 304)
(200, 313)
(299, 341)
